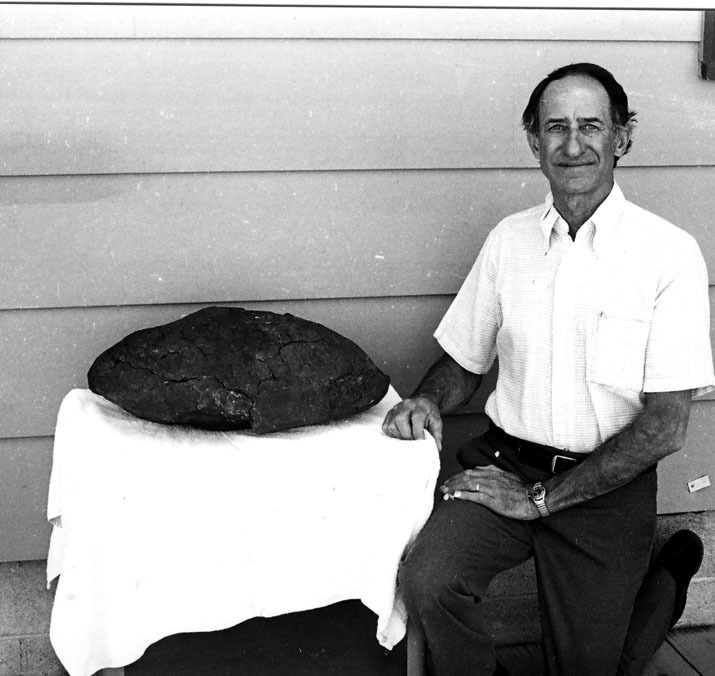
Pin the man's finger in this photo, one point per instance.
(417, 420)
(393, 425)
(470, 496)
(434, 425)
(403, 425)
(387, 423)
(389, 426)
(463, 482)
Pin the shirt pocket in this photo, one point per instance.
(617, 357)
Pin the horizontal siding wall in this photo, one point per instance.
(341, 164)
(290, 235)
(148, 106)
(348, 23)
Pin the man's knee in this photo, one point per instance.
(427, 581)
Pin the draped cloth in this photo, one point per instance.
(161, 529)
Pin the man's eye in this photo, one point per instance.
(590, 128)
(556, 128)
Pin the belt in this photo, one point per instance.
(538, 456)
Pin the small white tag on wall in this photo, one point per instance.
(699, 483)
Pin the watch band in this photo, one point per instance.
(537, 494)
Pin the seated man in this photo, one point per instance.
(598, 311)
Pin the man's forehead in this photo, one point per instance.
(575, 91)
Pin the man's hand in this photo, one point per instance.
(446, 387)
(500, 491)
(411, 417)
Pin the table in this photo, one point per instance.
(160, 529)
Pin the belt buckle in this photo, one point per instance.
(554, 462)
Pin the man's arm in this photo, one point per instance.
(445, 387)
(659, 431)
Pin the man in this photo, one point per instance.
(598, 312)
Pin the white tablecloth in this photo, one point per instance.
(161, 530)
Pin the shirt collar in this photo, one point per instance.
(605, 220)
(549, 218)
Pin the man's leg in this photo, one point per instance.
(590, 561)
(650, 622)
(661, 600)
(445, 576)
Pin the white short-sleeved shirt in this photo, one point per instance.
(582, 328)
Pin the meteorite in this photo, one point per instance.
(228, 368)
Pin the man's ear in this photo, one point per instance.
(623, 137)
(533, 141)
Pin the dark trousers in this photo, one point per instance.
(590, 560)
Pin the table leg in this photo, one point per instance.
(416, 665)
(112, 671)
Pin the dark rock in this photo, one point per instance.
(224, 368)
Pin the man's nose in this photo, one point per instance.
(573, 143)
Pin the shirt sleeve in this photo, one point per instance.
(469, 328)
(679, 353)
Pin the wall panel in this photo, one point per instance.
(82, 241)
(696, 459)
(67, 21)
(146, 106)
(197, 238)
(342, 164)
(25, 466)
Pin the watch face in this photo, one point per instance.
(537, 492)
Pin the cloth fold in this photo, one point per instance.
(159, 529)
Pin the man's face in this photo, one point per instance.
(577, 140)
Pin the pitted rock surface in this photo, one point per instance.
(225, 368)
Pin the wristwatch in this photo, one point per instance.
(537, 494)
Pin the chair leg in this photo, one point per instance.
(416, 649)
